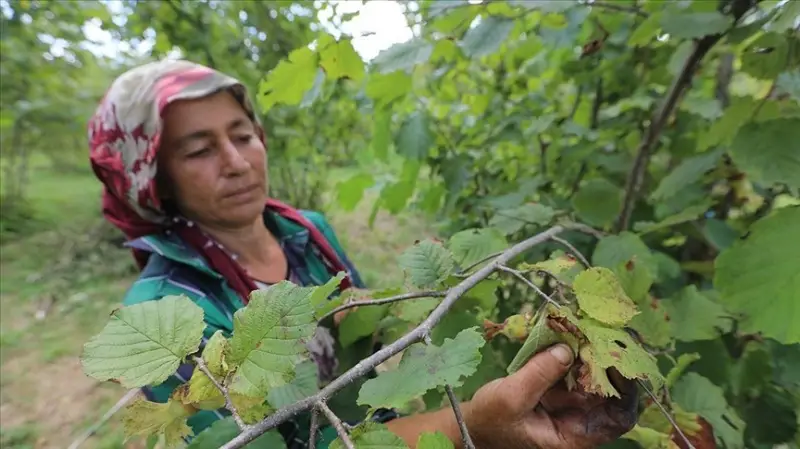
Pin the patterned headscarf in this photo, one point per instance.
(124, 136)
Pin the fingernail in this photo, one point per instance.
(562, 353)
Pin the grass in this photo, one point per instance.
(46, 400)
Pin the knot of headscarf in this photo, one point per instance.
(124, 136)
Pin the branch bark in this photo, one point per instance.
(416, 335)
(337, 424)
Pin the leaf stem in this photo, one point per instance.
(337, 424)
(376, 302)
(574, 250)
(416, 335)
(201, 365)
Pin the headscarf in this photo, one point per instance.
(124, 136)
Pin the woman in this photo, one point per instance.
(183, 160)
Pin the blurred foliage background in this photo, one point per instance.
(480, 114)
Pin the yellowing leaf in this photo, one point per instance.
(269, 337)
(340, 60)
(144, 344)
(151, 418)
(608, 348)
(540, 336)
(650, 438)
(288, 82)
(653, 324)
(449, 364)
(601, 297)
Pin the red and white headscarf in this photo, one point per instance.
(124, 137)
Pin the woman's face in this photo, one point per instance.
(215, 164)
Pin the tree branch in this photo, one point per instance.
(667, 414)
(614, 7)
(337, 424)
(376, 302)
(466, 440)
(312, 438)
(201, 365)
(366, 365)
(679, 85)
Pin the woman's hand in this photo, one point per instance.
(532, 409)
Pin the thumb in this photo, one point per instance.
(531, 382)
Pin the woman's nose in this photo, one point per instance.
(234, 162)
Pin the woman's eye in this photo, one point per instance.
(246, 138)
(198, 153)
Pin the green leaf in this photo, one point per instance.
(646, 31)
(427, 263)
(414, 138)
(223, 430)
(381, 134)
(789, 83)
(403, 56)
(689, 171)
(384, 89)
(652, 323)
(614, 251)
(649, 438)
(767, 151)
(360, 323)
(424, 367)
(349, 193)
(302, 386)
(510, 221)
(598, 202)
(771, 418)
(758, 278)
(685, 25)
(434, 440)
(144, 344)
(269, 337)
(636, 280)
(767, 56)
(340, 60)
(372, 435)
(288, 82)
(697, 394)
(787, 18)
(543, 5)
(144, 418)
(601, 297)
(693, 316)
(472, 245)
(689, 214)
(487, 36)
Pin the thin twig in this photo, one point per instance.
(485, 259)
(679, 85)
(466, 440)
(530, 284)
(416, 335)
(377, 302)
(312, 439)
(337, 424)
(111, 412)
(574, 250)
(667, 414)
(201, 365)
